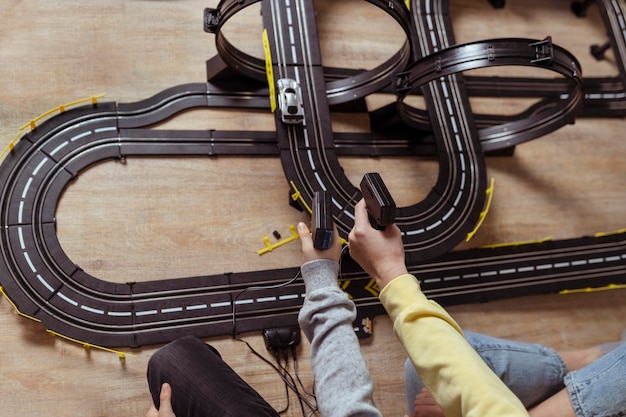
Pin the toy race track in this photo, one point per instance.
(45, 284)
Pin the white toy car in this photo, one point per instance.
(290, 101)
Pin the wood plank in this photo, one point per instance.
(156, 218)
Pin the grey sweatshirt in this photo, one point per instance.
(343, 385)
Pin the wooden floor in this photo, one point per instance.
(156, 218)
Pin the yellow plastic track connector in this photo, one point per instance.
(32, 124)
(16, 309)
(520, 243)
(271, 246)
(596, 289)
(483, 213)
(11, 145)
(297, 196)
(269, 72)
(617, 232)
(61, 109)
(120, 354)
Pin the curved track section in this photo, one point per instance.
(339, 90)
(545, 117)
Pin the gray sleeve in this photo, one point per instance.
(343, 384)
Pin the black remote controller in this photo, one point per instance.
(380, 205)
(322, 220)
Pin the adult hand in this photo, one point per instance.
(309, 252)
(379, 252)
(165, 399)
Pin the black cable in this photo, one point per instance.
(288, 383)
(295, 371)
(259, 287)
(277, 357)
(295, 387)
(281, 370)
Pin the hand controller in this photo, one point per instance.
(380, 205)
(322, 220)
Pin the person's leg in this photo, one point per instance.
(599, 389)
(596, 384)
(203, 385)
(559, 405)
(582, 393)
(533, 372)
(576, 359)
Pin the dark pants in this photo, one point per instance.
(203, 385)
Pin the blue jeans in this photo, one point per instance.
(535, 372)
(599, 389)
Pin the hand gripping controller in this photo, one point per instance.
(322, 220)
(380, 205)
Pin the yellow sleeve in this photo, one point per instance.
(456, 376)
